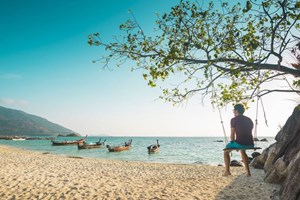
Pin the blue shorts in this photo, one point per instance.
(235, 145)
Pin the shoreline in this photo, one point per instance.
(188, 151)
(34, 175)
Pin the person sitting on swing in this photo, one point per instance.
(240, 136)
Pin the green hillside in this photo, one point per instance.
(15, 122)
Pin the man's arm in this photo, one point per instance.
(232, 134)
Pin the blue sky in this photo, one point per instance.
(46, 69)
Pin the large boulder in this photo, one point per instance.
(281, 160)
(291, 186)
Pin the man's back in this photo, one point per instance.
(243, 128)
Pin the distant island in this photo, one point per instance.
(18, 123)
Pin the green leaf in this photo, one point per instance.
(248, 7)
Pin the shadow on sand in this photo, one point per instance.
(254, 187)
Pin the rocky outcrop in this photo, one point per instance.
(281, 160)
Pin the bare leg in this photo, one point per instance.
(227, 163)
(245, 161)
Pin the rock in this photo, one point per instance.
(199, 162)
(218, 141)
(281, 160)
(236, 163)
(264, 140)
(255, 154)
(277, 173)
(270, 157)
(291, 186)
(257, 163)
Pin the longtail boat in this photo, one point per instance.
(153, 148)
(91, 145)
(73, 142)
(124, 147)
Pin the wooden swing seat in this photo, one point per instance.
(237, 149)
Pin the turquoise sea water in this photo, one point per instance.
(179, 150)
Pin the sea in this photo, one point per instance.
(176, 150)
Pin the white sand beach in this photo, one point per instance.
(36, 175)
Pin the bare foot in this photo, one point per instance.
(227, 174)
(248, 175)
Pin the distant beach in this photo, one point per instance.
(37, 175)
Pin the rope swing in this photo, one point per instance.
(224, 132)
(256, 121)
(255, 126)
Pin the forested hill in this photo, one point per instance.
(18, 123)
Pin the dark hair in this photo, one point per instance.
(240, 108)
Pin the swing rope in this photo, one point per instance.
(224, 132)
(256, 122)
(256, 117)
(221, 119)
(263, 108)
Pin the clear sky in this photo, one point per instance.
(46, 69)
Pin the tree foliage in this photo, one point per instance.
(225, 51)
(296, 53)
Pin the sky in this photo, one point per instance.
(46, 69)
